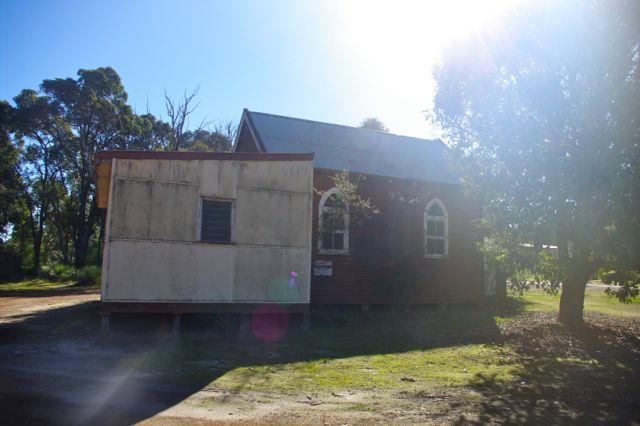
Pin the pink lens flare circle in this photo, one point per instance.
(269, 322)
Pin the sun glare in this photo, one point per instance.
(392, 47)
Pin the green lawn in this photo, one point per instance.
(35, 284)
(595, 301)
(457, 348)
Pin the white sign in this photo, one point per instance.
(322, 268)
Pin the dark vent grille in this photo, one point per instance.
(216, 221)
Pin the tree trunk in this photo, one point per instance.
(80, 247)
(37, 245)
(573, 289)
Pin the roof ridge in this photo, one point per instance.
(342, 125)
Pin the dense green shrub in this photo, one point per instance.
(58, 272)
(89, 275)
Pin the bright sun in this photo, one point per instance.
(392, 46)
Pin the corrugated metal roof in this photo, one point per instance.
(354, 149)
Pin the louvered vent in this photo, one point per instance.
(216, 221)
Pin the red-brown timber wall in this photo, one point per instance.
(385, 263)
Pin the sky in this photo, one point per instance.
(333, 61)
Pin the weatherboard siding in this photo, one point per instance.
(385, 263)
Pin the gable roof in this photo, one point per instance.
(339, 147)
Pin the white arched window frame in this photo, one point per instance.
(436, 230)
(338, 236)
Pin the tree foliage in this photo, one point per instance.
(543, 116)
(10, 181)
(348, 204)
(48, 142)
(373, 123)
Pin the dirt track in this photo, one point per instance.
(21, 305)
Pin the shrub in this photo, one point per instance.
(58, 272)
(89, 275)
(64, 272)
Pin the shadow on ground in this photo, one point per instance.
(587, 375)
(56, 369)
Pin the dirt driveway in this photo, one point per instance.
(17, 306)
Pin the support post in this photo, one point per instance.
(306, 322)
(176, 325)
(106, 326)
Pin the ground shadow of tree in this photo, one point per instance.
(586, 375)
(114, 373)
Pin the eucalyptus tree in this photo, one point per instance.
(95, 108)
(42, 132)
(10, 181)
(543, 114)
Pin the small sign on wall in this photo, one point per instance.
(322, 268)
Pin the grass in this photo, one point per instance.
(450, 356)
(35, 284)
(454, 366)
(595, 301)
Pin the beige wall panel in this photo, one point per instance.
(174, 212)
(273, 218)
(219, 179)
(130, 209)
(283, 176)
(262, 274)
(185, 171)
(162, 170)
(135, 169)
(154, 271)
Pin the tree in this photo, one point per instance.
(372, 123)
(218, 140)
(543, 116)
(179, 112)
(10, 182)
(37, 121)
(95, 108)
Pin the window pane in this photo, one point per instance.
(216, 221)
(439, 229)
(327, 240)
(431, 228)
(435, 210)
(338, 241)
(333, 201)
(440, 246)
(430, 246)
(333, 220)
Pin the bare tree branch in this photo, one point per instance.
(178, 112)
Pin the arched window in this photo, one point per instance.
(436, 229)
(333, 223)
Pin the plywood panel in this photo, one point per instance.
(219, 179)
(174, 212)
(130, 209)
(263, 275)
(156, 271)
(273, 218)
(103, 183)
(160, 170)
(285, 176)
